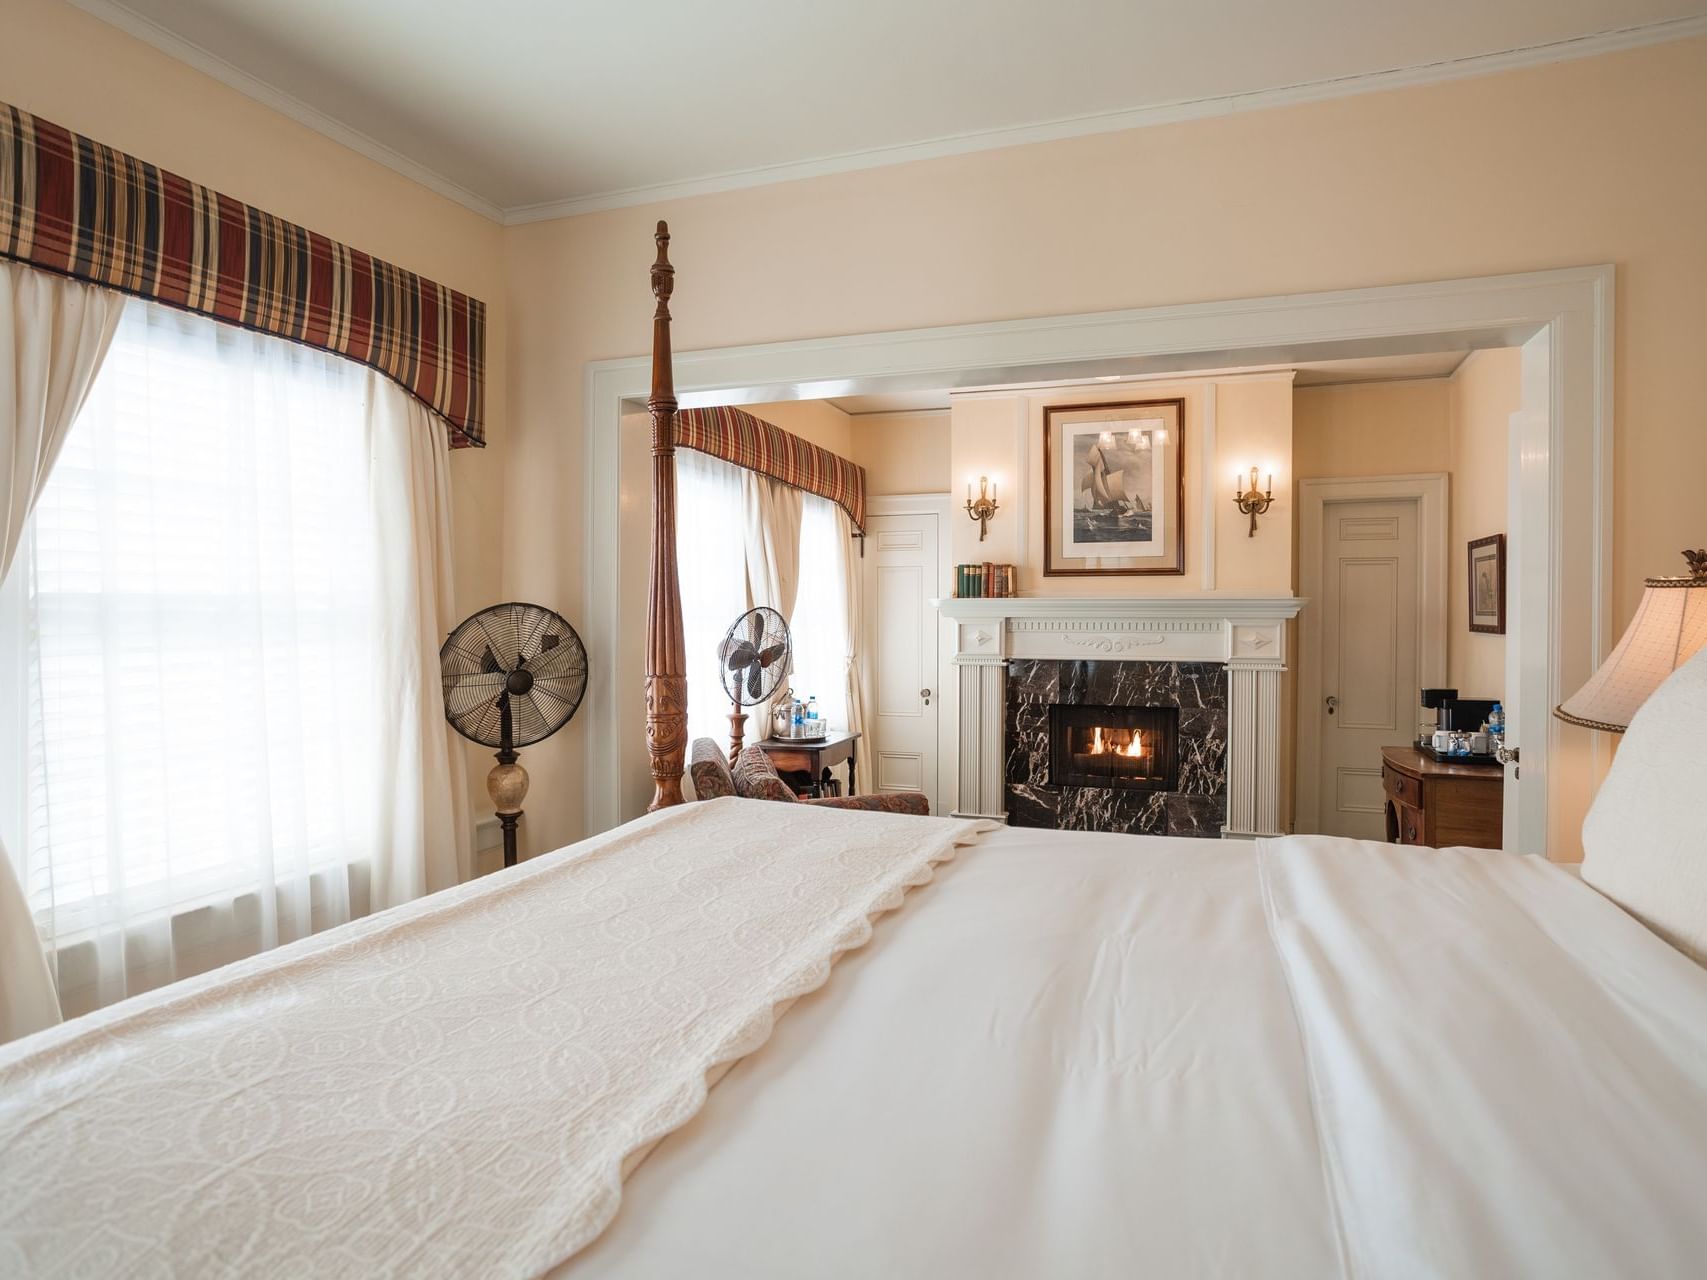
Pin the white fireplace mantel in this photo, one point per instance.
(1247, 633)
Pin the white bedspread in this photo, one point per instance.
(1072, 1055)
(449, 1089)
(1099, 1056)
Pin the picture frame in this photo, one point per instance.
(1114, 488)
(1487, 585)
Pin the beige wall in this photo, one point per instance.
(1457, 425)
(904, 452)
(76, 71)
(1484, 393)
(816, 421)
(1001, 436)
(1372, 429)
(1466, 178)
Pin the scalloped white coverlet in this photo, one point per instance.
(449, 1088)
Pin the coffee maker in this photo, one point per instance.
(1452, 714)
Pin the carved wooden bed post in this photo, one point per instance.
(666, 658)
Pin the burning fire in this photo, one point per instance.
(1133, 749)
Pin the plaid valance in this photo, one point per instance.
(71, 205)
(728, 433)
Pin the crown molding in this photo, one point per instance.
(1116, 121)
(116, 14)
(211, 64)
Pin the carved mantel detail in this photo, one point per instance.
(1112, 644)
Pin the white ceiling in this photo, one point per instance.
(1313, 373)
(530, 108)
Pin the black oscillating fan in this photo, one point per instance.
(513, 675)
(753, 657)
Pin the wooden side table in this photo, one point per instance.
(1441, 805)
(805, 766)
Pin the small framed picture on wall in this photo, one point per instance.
(1487, 585)
(1114, 488)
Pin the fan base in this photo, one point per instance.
(507, 784)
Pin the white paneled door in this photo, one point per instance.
(903, 654)
(1371, 604)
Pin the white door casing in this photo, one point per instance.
(1528, 706)
(1371, 607)
(903, 648)
(1318, 758)
(1571, 308)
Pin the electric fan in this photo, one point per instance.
(754, 658)
(513, 675)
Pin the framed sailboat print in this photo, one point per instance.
(1114, 488)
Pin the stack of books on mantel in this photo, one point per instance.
(985, 581)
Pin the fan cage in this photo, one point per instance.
(479, 657)
(755, 656)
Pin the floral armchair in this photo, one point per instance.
(755, 778)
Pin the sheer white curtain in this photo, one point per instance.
(820, 614)
(232, 591)
(711, 558)
(422, 840)
(54, 334)
(773, 513)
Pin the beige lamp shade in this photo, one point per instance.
(1670, 626)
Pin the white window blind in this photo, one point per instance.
(192, 639)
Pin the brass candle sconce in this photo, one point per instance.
(1253, 502)
(983, 506)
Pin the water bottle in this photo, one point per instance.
(1496, 720)
(812, 721)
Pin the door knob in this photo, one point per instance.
(1333, 704)
(926, 695)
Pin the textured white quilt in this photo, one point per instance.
(448, 1089)
(1097, 1056)
(1077, 1055)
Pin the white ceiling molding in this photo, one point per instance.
(211, 64)
(1115, 121)
(186, 51)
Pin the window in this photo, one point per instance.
(820, 613)
(712, 555)
(190, 630)
(711, 564)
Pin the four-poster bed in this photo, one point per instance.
(1077, 1054)
(666, 657)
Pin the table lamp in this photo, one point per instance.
(1670, 626)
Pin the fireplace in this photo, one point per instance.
(1174, 783)
(1130, 748)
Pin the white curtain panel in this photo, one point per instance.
(853, 639)
(237, 581)
(423, 841)
(773, 514)
(54, 334)
(711, 561)
(827, 617)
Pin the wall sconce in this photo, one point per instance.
(983, 506)
(1253, 502)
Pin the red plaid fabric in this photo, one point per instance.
(73, 206)
(728, 433)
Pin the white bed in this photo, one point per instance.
(1084, 1055)
(1067, 1055)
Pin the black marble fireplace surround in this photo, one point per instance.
(1198, 806)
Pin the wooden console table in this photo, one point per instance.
(812, 761)
(1441, 805)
